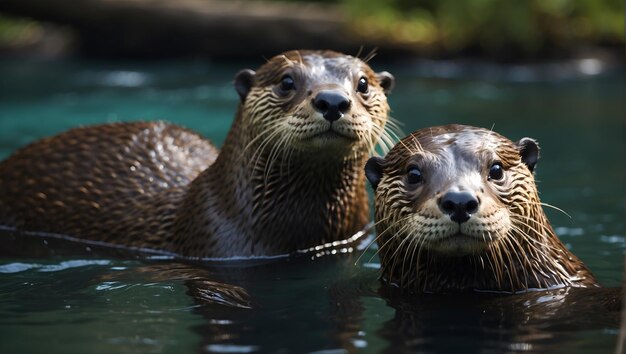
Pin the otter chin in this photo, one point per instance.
(457, 209)
(458, 244)
(329, 139)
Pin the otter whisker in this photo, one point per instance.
(543, 234)
(539, 253)
(549, 206)
(273, 156)
(289, 155)
(370, 56)
(529, 265)
(406, 147)
(261, 147)
(548, 261)
(299, 56)
(510, 265)
(489, 133)
(394, 128)
(260, 151)
(261, 135)
(418, 145)
(380, 248)
(281, 156)
(499, 261)
(536, 221)
(418, 268)
(383, 139)
(523, 260)
(372, 241)
(494, 265)
(405, 257)
(358, 53)
(254, 157)
(394, 256)
(371, 142)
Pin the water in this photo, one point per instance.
(56, 298)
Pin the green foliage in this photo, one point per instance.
(18, 31)
(493, 26)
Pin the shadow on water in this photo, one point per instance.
(540, 321)
(263, 305)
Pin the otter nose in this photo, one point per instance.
(459, 205)
(331, 104)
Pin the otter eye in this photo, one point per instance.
(287, 83)
(362, 86)
(414, 175)
(496, 172)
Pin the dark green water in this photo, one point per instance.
(90, 302)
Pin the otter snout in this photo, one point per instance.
(459, 205)
(332, 104)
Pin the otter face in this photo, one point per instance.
(312, 100)
(451, 189)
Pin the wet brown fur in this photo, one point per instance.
(528, 256)
(158, 186)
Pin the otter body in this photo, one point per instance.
(457, 209)
(120, 183)
(288, 177)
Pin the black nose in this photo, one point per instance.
(331, 104)
(459, 205)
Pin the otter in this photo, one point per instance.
(288, 177)
(457, 209)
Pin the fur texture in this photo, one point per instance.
(507, 244)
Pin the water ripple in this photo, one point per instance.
(73, 264)
(569, 231)
(231, 348)
(18, 267)
(612, 239)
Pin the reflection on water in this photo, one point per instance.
(544, 321)
(76, 299)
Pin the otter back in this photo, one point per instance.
(107, 183)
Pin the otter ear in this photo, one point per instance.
(529, 151)
(386, 81)
(243, 83)
(374, 170)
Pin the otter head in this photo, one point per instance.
(452, 189)
(312, 100)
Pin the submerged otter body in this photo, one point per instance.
(457, 209)
(288, 177)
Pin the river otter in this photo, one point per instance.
(288, 177)
(457, 209)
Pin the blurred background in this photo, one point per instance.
(498, 29)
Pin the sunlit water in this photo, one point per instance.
(76, 301)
